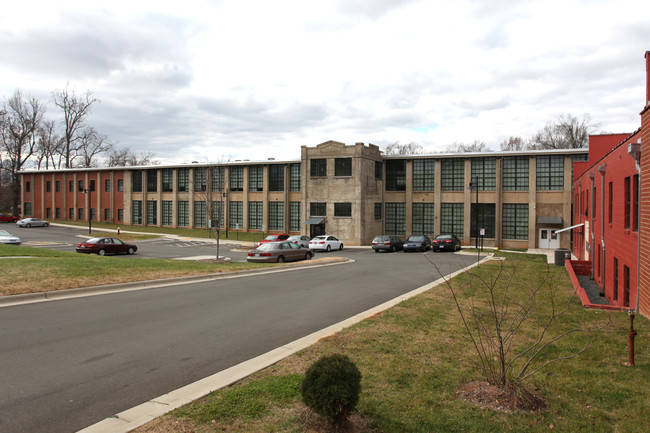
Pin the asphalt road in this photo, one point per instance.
(68, 364)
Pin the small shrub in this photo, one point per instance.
(331, 387)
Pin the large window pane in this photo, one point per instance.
(396, 175)
(423, 218)
(550, 172)
(452, 217)
(452, 172)
(395, 218)
(484, 170)
(515, 173)
(424, 174)
(276, 215)
(486, 219)
(515, 221)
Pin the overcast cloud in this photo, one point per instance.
(210, 80)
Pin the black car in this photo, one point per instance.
(387, 243)
(417, 243)
(446, 243)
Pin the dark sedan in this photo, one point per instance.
(417, 243)
(103, 246)
(446, 243)
(279, 252)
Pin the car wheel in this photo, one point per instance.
(328, 249)
(28, 225)
(46, 224)
(392, 249)
(308, 256)
(131, 251)
(376, 251)
(101, 252)
(280, 259)
(341, 246)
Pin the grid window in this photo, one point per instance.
(57, 213)
(515, 221)
(120, 214)
(294, 216)
(71, 186)
(317, 209)
(152, 212)
(635, 203)
(107, 214)
(452, 173)
(486, 219)
(550, 172)
(485, 171)
(423, 218)
(92, 214)
(515, 173)
(237, 178)
(200, 180)
(615, 279)
(107, 185)
(452, 218)
(183, 213)
(318, 167)
(27, 187)
(81, 186)
(57, 186)
(120, 185)
(48, 186)
(626, 286)
(276, 215)
(378, 170)
(396, 175)
(217, 178)
(167, 179)
(236, 216)
(255, 215)
(255, 178)
(28, 208)
(294, 177)
(343, 210)
(71, 213)
(91, 184)
(48, 213)
(183, 180)
(217, 214)
(343, 167)
(152, 180)
(80, 213)
(424, 171)
(628, 201)
(377, 211)
(395, 218)
(136, 181)
(167, 213)
(200, 214)
(136, 212)
(276, 177)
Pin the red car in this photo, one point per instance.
(273, 238)
(6, 218)
(103, 246)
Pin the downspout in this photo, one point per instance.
(634, 149)
(601, 170)
(591, 223)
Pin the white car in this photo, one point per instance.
(325, 243)
(301, 240)
(8, 238)
(32, 222)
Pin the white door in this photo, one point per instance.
(548, 239)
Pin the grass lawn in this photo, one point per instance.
(414, 356)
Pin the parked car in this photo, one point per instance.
(417, 243)
(301, 240)
(273, 238)
(279, 252)
(446, 242)
(103, 246)
(32, 222)
(387, 243)
(325, 243)
(8, 238)
(6, 218)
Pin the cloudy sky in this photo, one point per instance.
(211, 80)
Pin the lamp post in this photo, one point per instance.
(473, 185)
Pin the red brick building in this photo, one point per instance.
(644, 250)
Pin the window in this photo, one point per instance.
(200, 214)
(343, 167)
(120, 214)
(48, 186)
(515, 221)
(57, 186)
(256, 178)
(377, 211)
(318, 167)
(71, 186)
(395, 176)
(515, 173)
(485, 170)
(136, 181)
(550, 172)
(626, 286)
(217, 178)
(486, 219)
(317, 209)
(167, 180)
(120, 185)
(136, 212)
(107, 214)
(343, 210)
(378, 170)
(628, 202)
(107, 185)
(237, 178)
(152, 180)
(294, 215)
(451, 218)
(216, 214)
(452, 173)
(183, 180)
(236, 214)
(610, 207)
(91, 184)
(276, 177)
(255, 215)
(424, 174)
(423, 217)
(615, 279)
(92, 214)
(200, 180)
(276, 215)
(48, 213)
(635, 203)
(71, 213)
(152, 212)
(294, 178)
(395, 218)
(80, 213)
(183, 213)
(167, 213)
(27, 187)
(57, 213)
(81, 186)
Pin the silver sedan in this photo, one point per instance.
(32, 222)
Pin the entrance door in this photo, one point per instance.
(548, 239)
(316, 230)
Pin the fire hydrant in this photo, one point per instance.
(118, 230)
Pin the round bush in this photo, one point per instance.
(331, 387)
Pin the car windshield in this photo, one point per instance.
(271, 237)
(415, 239)
(5, 233)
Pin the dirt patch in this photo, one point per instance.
(503, 399)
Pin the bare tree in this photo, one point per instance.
(75, 111)
(90, 145)
(476, 146)
(404, 149)
(566, 132)
(20, 121)
(514, 143)
(125, 157)
(48, 146)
